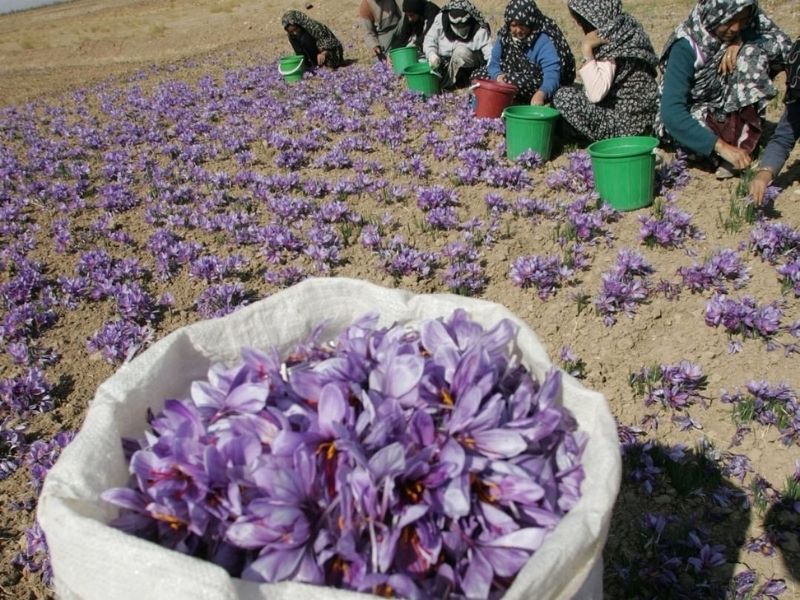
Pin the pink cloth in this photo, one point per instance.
(597, 76)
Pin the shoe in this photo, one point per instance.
(725, 170)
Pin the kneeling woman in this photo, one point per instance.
(717, 80)
(619, 95)
(530, 52)
(313, 40)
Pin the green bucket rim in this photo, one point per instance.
(531, 113)
(623, 147)
(404, 50)
(291, 58)
(417, 69)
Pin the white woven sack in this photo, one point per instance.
(92, 561)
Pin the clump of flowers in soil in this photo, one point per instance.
(673, 386)
(421, 461)
(744, 318)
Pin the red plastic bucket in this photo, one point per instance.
(492, 97)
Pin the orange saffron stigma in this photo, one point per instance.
(413, 491)
(383, 590)
(447, 398)
(174, 522)
(329, 448)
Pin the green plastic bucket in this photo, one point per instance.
(291, 67)
(529, 128)
(624, 170)
(419, 77)
(402, 58)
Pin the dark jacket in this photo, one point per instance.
(409, 31)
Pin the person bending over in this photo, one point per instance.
(786, 134)
(418, 17)
(313, 40)
(718, 67)
(380, 20)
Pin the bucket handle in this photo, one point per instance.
(293, 71)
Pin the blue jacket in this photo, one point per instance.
(783, 140)
(543, 53)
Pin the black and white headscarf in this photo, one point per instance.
(513, 59)
(476, 19)
(626, 37)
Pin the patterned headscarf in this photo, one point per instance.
(626, 36)
(699, 28)
(324, 37)
(477, 18)
(527, 13)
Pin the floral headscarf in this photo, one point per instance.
(699, 28)
(626, 36)
(527, 13)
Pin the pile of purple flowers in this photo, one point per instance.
(624, 287)
(675, 386)
(399, 461)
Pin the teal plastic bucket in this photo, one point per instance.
(402, 58)
(420, 78)
(529, 128)
(624, 170)
(291, 67)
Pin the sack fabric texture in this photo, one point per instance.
(93, 561)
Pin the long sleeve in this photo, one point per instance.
(482, 42)
(493, 68)
(367, 20)
(680, 124)
(597, 77)
(783, 140)
(544, 53)
(431, 42)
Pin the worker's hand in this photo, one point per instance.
(591, 41)
(501, 78)
(322, 57)
(434, 60)
(728, 62)
(377, 51)
(736, 156)
(539, 98)
(759, 185)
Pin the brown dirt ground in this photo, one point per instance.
(52, 50)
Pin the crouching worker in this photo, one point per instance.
(313, 40)
(619, 95)
(457, 43)
(786, 134)
(530, 52)
(718, 67)
(418, 18)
